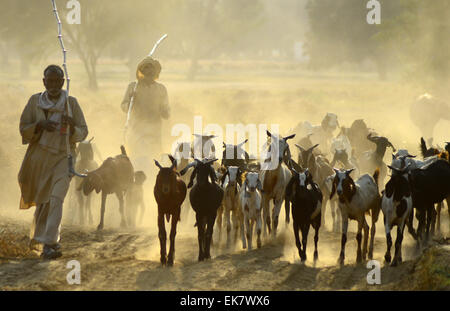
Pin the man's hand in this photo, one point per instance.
(68, 120)
(47, 125)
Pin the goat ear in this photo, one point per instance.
(289, 137)
(268, 133)
(157, 164)
(336, 170)
(224, 145)
(347, 172)
(393, 156)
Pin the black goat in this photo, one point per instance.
(427, 152)
(205, 197)
(306, 199)
(429, 185)
(372, 160)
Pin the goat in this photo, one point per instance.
(169, 192)
(319, 134)
(115, 175)
(426, 111)
(134, 199)
(182, 154)
(397, 207)
(250, 202)
(203, 146)
(320, 169)
(232, 156)
(357, 135)
(85, 162)
(427, 152)
(230, 204)
(371, 160)
(306, 199)
(355, 199)
(205, 197)
(430, 184)
(275, 180)
(335, 211)
(402, 159)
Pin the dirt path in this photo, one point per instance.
(129, 260)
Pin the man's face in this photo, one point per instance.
(53, 82)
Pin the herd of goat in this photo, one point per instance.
(236, 193)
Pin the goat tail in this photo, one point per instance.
(122, 149)
(376, 174)
(423, 147)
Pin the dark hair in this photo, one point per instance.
(54, 68)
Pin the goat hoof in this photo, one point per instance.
(163, 260)
(170, 262)
(258, 244)
(341, 260)
(387, 258)
(359, 259)
(370, 256)
(316, 256)
(99, 227)
(395, 262)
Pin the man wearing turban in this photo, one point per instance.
(150, 106)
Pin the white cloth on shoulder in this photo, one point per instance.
(53, 142)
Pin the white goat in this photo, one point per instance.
(250, 198)
(355, 199)
(230, 205)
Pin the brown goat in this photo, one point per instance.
(115, 175)
(170, 192)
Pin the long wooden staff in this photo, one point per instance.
(135, 86)
(68, 111)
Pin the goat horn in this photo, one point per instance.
(411, 156)
(310, 149)
(174, 162)
(299, 147)
(157, 164)
(241, 144)
(184, 170)
(91, 139)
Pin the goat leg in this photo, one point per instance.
(316, 240)
(366, 239)
(297, 237)
(201, 237)
(173, 232)
(387, 256)
(79, 196)
(162, 238)
(398, 246)
(89, 210)
(209, 233)
(305, 231)
(102, 211)
(123, 222)
(343, 238)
